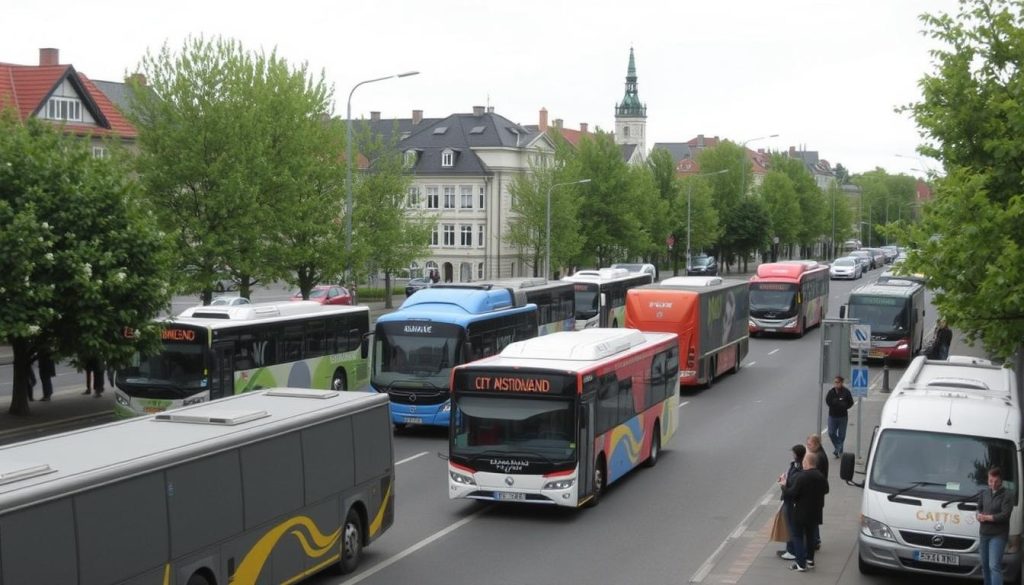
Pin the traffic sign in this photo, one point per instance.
(859, 385)
(860, 337)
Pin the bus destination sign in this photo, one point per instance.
(515, 383)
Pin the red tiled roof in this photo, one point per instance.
(27, 87)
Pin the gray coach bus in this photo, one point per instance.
(263, 487)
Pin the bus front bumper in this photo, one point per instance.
(126, 406)
(788, 325)
(410, 414)
(887, 554)
(501, 487)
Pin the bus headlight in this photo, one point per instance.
(789, 324)
(872, 527)
(446, 407)
(121, 399)
(751, 323)
(461, 478)
(560, 484)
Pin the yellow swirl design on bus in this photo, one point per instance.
(252, 565)
(623, 432)
(378, 519)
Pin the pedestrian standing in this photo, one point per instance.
(994, 506)
(94, 372)
(839, 401)
(47, 372)
(943, 339)
(821, 464)
(795, 466)
(807, 491)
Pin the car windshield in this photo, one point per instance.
(845, 262)
(944, 466)
(701, 261)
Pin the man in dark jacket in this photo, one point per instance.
(839, 402)
(807, 492)
(821, 464)
(943, 339)
(795, 467)
(994, 507)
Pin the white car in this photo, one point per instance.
(845, 267)
(639, 267)
(229, 301)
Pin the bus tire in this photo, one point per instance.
(338, 381)
(712, 367)
(600, 473)
(652, 459)
(198, 579)
(351, 545)
(803, 327)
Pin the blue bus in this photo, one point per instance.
(436, 329)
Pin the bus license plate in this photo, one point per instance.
(414, 420)
(511, 496)
(770, 329)
(940, 558)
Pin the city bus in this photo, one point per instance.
(555, 300)
(708, 314)
(212, 352)
(555, 419)
(262, 487)
(788, 297)
(601, 295)
(895, 311)
(436, 329)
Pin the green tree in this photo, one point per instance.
(882, 197)
(528, 230)
(84, 259)
(840, 217)
(694, 211)
(651, 208)
(607, 202)
(729, 191)
(779, 197)
(970, 116)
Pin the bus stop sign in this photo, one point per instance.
(859, 379)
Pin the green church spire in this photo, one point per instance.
(630, 107)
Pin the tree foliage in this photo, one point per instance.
(607, 202)
(84, 260)
(971, 117)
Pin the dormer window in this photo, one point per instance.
(62, 108)
(447, 158)
(410, 159)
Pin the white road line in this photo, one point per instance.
(684, 404)
(749, 364)
(774, 351)
(704, 569)
(408, 459)
(394, 559)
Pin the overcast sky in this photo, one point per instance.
(824, 75)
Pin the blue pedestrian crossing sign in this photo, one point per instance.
(859, 385)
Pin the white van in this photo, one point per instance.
(944, 425)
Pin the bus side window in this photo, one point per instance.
(627, 409)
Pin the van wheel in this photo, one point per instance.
(351, 546)
(338, 383)
(652, 459)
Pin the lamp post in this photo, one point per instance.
(743, 145)
(348, 159)
(689, 193)
(547, 240)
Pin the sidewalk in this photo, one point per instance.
(747, 557)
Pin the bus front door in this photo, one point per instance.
(585, 447)
(222, 376)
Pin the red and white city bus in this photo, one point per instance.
(554, 419)
(788, 297)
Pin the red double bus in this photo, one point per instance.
(788, 297)
(554, 419)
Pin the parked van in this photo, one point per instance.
(945, 424)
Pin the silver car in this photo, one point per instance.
(846, 267)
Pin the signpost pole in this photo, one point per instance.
(860, 337)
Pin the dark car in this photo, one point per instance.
(702, 266)
(416, 284)
(327, 294)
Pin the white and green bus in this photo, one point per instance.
(213, 352)
(264, 487)
(601, 295)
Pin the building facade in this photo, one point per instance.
(631, 119)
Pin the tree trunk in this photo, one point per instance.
(387, 290)
(19, 393)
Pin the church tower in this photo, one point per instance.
(630, 114)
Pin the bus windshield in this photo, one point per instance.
(486, 427)
(885, 315)
(587, 300)
(772, 297)
(411, 353)
(939, 465)
(177, 371)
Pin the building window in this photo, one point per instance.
(481, 233)
(466, 236)
(483, 199)
(449, 234)
(414, 269)
(625, 131)
(410, 159)
(433, 237)
(60, 108)
(449, 197)
(432, 202)
(467, 197)
(480, 270)
(432, 268)
(414, 197)
(447, 158)
(99, 152)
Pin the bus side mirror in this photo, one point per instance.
(364, 346)
(846, 469)
(842, 311)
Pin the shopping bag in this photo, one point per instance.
(780, 531)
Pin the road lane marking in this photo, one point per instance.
(408, 459)
(750, 364)
(684, 404)
(774, 351)
(394, 559)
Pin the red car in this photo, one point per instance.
(327, 294)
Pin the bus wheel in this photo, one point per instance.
(599, 475)
(652, 459)
(338, 383)
(351, 542)
(198, 579)
(615, 323)
(803, 327)
(399, 427)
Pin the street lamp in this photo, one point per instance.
(348, 158)
(689, 193)
(547, 254)
(743, 145)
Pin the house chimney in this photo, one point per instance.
(375, 116)
(417, 117)
(792, 152)
(478, 110)
(139, 78)
(700, 141)
(558, 123)
(583, 127)
(49, 57)
(542, 123)
(490, 109)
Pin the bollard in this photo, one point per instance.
(885, 376)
